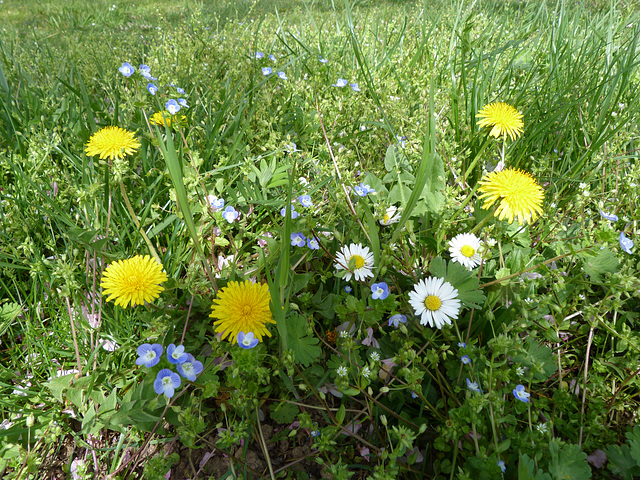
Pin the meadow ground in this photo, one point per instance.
(277, 239)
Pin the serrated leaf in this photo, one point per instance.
(10, 311)
(305, 348)
(538, 358)
(603, 262)
(461, 279)
(621, 462)
(527, 470)
(284, 413)
(568, 462)
(634, 443)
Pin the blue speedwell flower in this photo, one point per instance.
(180, 91)
(363, 190)
(611, 217)
(282, 75)
(247, 341)
(626, 243)
(175, 354)
(380, 291)
(216, 203)
(305, 201)
(502, 466)
(294, 214)
(272, 57)
(462, 345)
(126, 69)
(397, 319)
(258, 55)
(298, 239)
(340, 83)
(323, 60)
(172, 106)
(230, 214)
(348, 289)
(183, 103)
(465, 359)
(355, 87)
(312, 243)
(521, 393)
(149, 355)
(145, 69)
(166, 382)
(473, 386)
(190, 368)
(266, 71)
(152, 88)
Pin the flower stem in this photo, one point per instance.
(135, 220)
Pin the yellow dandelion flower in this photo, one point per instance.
(518, 195)
(158, 119)
(112, 143)
(502, 118)
(242, 307)
(133, 281)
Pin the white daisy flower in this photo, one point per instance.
(356, 260)
(435, 301)
(464, 250)
(390, 216)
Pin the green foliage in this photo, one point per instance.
(553, 306)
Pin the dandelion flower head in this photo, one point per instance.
(112, 143)
(502, 118)
(133, 281)
(518, 195)
(356, 260)
(164, 118)
(242, 307)
(435, 302)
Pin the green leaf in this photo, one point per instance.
(538, 358)
(622, 462)
(284, 413)
(603, 262)
(342, 411)
(305, 348)
(461, 279)
(527, 470)
(568, 462)
(634, 443)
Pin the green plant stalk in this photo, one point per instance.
(135, 220)
(175, 172)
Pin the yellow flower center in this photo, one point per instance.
(468, 251)
(246, 310)
(386, 218)
(358, 260)
(432, 303)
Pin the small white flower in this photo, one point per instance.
(390, 216)
(542, 427)
(375, 356)
(435, 301)
(464, 250)
(519, 371)
(356, 260)
(342, 371)
(366, 372)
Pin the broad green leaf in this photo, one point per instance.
(621, 461)
(538, 358)
(284, 413)
(603, 262)
(305, 348)
(568, 462)
(527, 470)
